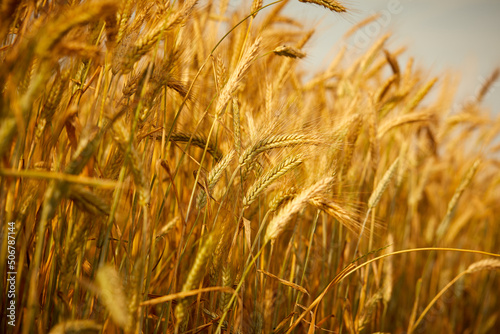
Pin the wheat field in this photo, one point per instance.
(172, 167)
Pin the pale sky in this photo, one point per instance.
(455, 35)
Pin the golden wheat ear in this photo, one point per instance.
(278, 224)
(194, 278)
(332, 5)
(76, 326)
(112, 295)
(265, 180)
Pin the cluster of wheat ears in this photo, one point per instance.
(170, 167)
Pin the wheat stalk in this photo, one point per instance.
(487, 264)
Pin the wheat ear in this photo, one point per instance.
(76, 326)
(236, 125)
(282, 197)
(488, 85)
(213, 177)
(197, 141)
(382, 185)
(235, 78)
(278, 224)
(377, 195)
(423, 116)
(88, 201)
(289, 51)
(146, 43)
(122, 18)
(421, 94)
(343, 216)
(256, 5)
(265, 180)
(332, 5)
(443, 226)
(276, 141)
(112, 295)
(194, 277)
